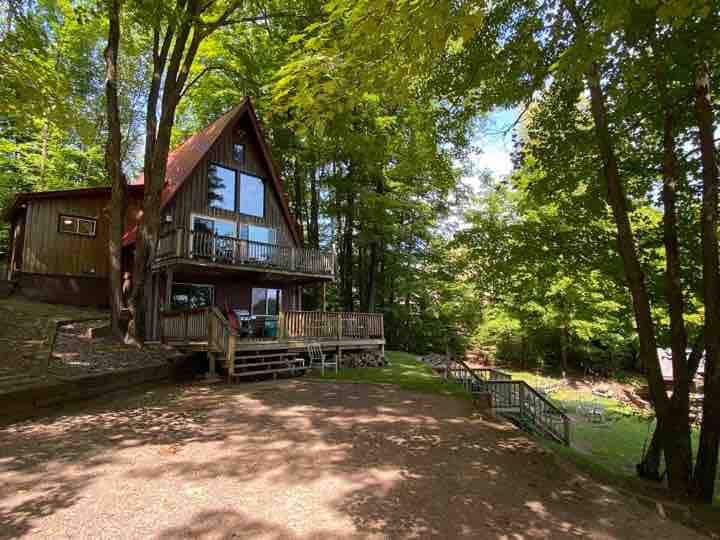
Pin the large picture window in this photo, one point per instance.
(266, 302)
(257, 233)
(221, 187)
(252, 195)
(218, 227)
(191, 296)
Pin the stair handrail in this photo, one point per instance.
(217, 316)
(503, 378)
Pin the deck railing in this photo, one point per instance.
(209, 324)
(205, 246)
(184, 325)
(515, 399)
(330, 325)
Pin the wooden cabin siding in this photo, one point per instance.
(235, 293)
(192, 197)
(48, 251)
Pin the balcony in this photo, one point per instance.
(202, 248)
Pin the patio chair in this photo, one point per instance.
(319, 359)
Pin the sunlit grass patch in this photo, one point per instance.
(404, 371)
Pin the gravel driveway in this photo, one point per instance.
(297, 459)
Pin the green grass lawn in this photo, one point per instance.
(404, 371)
(612, 447)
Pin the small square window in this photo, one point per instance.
(86, 227)
(238, 153)
(68, 224)
(77, 225)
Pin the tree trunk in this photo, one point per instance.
(677, 462)
(678, 436)
(113, 165)
(707, 457)
(347, 254)
(299, 190)
(314, 228)
(172, 60)
(563, 349)
(649, 466)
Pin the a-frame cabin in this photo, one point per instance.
(230, 262)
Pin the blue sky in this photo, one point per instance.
(493, 146)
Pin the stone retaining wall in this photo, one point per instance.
(40, 399)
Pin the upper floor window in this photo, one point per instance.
(214, 226)
(252, 195)
(77, 225)
(257, 233)
(238, 153)
(221, 187)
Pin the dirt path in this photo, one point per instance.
(297, 459)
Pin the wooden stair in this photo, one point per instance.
(516, 400)
(264, 363)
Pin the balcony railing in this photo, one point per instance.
(180, 243)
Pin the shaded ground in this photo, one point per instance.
(297, 459)
(24, 329)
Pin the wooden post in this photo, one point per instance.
(324, 297)
(339, 326)
(156, 305)
(230, 356)
(168, 287)
(179, 242)
(522, 399)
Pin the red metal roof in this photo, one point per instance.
(98, 191)
(183, 160)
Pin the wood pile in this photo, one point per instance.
(362, 359)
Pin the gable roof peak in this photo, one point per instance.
(183, 160)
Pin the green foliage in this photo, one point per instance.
(52, 123)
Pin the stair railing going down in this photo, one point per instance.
(516, 400)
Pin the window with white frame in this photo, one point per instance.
(259, 234)
(77, 225)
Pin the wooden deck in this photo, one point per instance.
(207, 330)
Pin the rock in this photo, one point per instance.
(435, 361)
